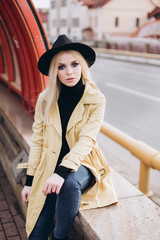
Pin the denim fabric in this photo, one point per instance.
(65, 206)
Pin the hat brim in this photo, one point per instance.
(87, 52)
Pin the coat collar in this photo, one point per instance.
(57, 120)
(91, 95)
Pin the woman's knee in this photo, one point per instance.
(70, 185)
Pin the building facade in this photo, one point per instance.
(97, 18)
(119, 17)
(68, 17)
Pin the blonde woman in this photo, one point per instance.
(66, 169)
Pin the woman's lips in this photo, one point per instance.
(70, 79)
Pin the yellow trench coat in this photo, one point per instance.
(83, 127)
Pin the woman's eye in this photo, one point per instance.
(61, 67)
(75, 64)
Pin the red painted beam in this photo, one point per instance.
(7, 54)
(2, 70)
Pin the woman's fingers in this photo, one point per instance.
(53, 184)
(26, 193)
(45, 189)
(24, 197)
(49, 189)
(27, 197)
(58, 189)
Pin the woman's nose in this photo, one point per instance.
(69, 70)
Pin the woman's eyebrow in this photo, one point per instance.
(71, 62)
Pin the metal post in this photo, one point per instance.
(149, 157)
(144, 180)
(99, 36)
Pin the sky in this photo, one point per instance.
(41, 3)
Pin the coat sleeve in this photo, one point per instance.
(37, 141)
(87, 137)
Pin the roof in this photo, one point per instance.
(43, 15)
(148, 30)
(95, 3)
(89, 29)
(155, 13)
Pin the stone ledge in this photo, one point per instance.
(135, 217)
(18, 120)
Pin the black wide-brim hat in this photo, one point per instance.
(63, 43)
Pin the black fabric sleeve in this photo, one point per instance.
(29, 180)
(63, 171)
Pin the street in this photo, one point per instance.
(132, 92)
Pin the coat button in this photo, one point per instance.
(78, 125)
(46, 145)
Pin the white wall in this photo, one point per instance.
(69, 12)
(127, 11)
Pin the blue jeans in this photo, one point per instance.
(65, 206)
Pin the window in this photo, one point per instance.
(53, 4)
(96, 21)
(90, 21)
(75, 22)
(137, 22)
(116, 22)
(54, 22)
(63, 22)
(63, 3)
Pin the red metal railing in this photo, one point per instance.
(23, 41)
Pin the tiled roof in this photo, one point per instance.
(148, 30)
(155, 13)
(95, 3)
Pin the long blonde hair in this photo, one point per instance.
(51, 93)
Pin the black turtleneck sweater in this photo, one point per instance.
(68, 99)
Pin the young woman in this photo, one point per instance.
(65, 160)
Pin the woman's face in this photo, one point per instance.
(69, 70)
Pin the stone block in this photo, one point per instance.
(5, 216)
(132, 218)
(2, 236)
(10, 229)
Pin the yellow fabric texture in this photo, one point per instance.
(83, 127)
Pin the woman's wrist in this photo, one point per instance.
(63, 172)
(29, 180)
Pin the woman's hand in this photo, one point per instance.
(53, 184)
(26, 193)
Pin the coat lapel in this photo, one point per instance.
(90, 96)
(76, 116)
(57, 120)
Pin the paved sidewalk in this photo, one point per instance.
(12, 226)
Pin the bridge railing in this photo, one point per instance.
(149, 157)
(141, 57)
